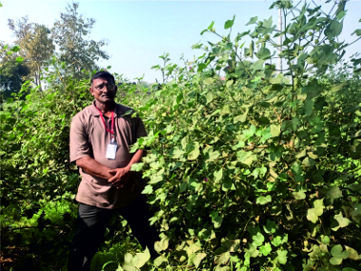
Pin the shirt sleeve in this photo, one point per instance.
(78, 141)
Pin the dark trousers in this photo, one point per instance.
(91, 226)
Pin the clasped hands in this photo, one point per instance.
(118, 178)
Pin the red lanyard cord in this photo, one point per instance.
(112, 123)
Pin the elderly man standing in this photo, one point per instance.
(100, 139)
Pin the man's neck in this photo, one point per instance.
(105, 107)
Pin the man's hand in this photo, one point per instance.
(117, 176)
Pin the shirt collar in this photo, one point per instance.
(119, 110)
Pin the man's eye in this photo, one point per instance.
(100, 86)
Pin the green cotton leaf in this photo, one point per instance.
(15, 48)
(265, 134)
(193, 155)
(184, 143)
(225, 110)
(192, 247)
(342, 221)
(198, 258)
(19, 59)
(229, 23)
(314, 213)
(201, 66)
(177, 153)
(270, 226)
(313, 89)
(277, 80)
(278, 240)
(323, 55)
(159, 261)
(258, 65)
(265, 249)
(337, 251)
(229, 83)
(155, 67)
(197, 46)
(253, 20)
(223, 258)
(263, 53)
(258, 239)
(210, 27)
(333, 29)
(352, 254)
(318, 203)
(148, 189)
(334, 193)
(142, 258)
(325, 239)
(259, 172)
(248, 133)
(341, 14)
(137, 166)
(218, 175)
(216, 219)
(275, 130)
(263, 200)
(308, 162)
(162, 244)
(241, 118)
(335, 261)
(209, 97)
(213, 155)
(156, 178)
(246, 157)
(357, 32)
(338, 255)
(308, 107)
(299, 195)
(282, 256)
(179, 98)
(295, 123)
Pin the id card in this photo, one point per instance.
(111, 150)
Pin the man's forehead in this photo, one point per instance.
(98, 81)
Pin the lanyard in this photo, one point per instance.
(112, 123)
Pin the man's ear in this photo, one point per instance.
(91, 90)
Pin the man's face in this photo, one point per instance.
(102, 90)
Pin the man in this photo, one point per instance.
(100, 139)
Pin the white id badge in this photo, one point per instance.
(111, 150)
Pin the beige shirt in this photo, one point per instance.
(88, 137)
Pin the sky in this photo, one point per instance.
(138, 32)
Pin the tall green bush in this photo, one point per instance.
(262, 170)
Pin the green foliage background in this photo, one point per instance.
(259, 171)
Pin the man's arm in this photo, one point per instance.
(114, 176)
(92, 167)
(118, 173)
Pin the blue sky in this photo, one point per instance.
(138, 32)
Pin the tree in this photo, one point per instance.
(70, 33)
(13, 71)
(36, 45)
